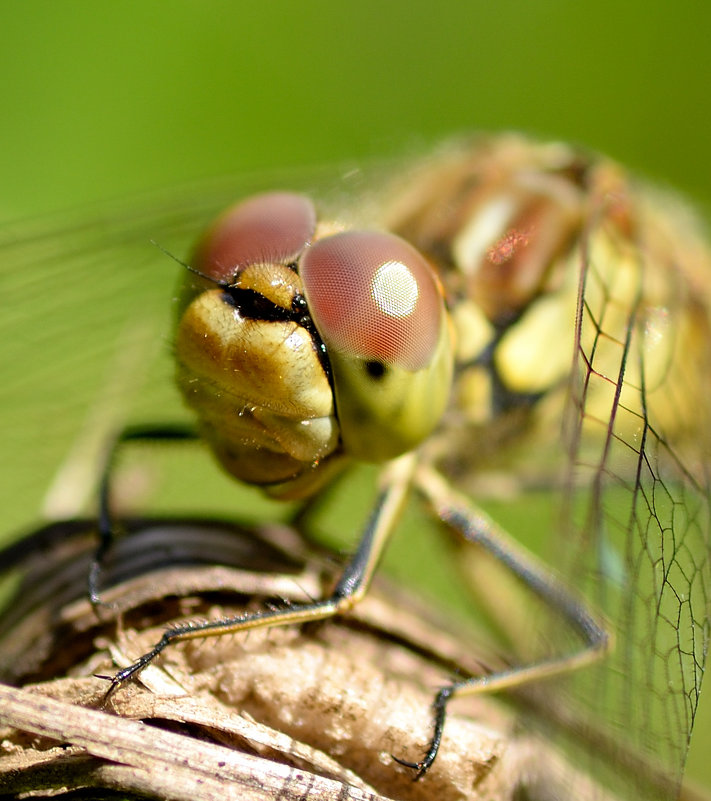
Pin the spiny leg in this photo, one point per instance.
(455, 511)
(350, 588)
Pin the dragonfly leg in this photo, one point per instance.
(177, 432)
(474, 526)
(349, 589)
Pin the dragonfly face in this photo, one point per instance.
(300, 347)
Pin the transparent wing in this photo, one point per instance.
(84, 328)
(637, 517)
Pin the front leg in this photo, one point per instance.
(177, 432)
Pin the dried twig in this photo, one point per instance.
(310, 713)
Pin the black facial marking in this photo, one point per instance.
(254, 306)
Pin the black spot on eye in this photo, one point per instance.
(375, 369)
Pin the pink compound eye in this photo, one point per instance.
(265, 229)
(373, 296)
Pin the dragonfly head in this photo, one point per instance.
(300, 348)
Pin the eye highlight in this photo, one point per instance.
(272, 228)
(395, 289)
(373, 296)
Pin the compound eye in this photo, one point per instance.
(273, 228)
(372, 296)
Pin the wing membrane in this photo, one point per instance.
(638, 507)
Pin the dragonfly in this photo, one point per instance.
(546, 326)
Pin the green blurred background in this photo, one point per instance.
(102, 100)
